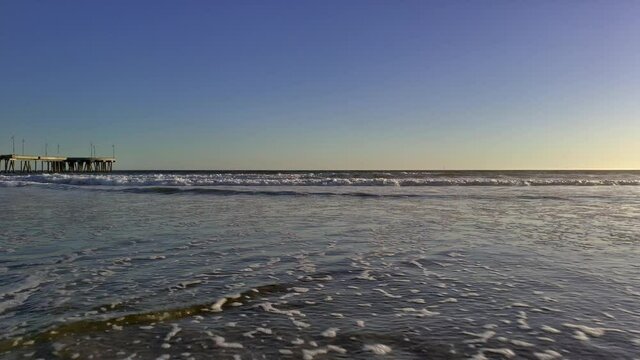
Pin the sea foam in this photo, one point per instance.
(362, 178)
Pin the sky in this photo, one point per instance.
(324, 84)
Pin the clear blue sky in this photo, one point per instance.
(325, 84)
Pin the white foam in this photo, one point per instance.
(217, 306)
(591, 331)
(309, 179)
(268, 307)
(17, 296)
(480, 337)
(258, 330)
(579, 335)
(175, 329)
(330, 332)
(366, 275)
(522, 343)
(309, 354)
(548, 355)
(378, 349)
(544, 338)
(505, 352)
(449, 300)
(300, 324)
(220, 342)
(550, 329)
(419, 313)
(387, 294)
(522, 321)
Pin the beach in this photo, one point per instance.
(320, 265)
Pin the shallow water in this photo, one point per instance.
(402, 272)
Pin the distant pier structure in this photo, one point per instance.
(14, 163)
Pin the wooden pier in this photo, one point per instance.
(54, 164)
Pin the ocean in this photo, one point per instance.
(320, 265)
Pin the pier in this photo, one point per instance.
(13, 163)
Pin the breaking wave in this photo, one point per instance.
(361, 178)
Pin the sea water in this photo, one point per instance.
(319, 265)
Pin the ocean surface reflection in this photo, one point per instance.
(247, 272)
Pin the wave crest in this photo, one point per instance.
(324, 179)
